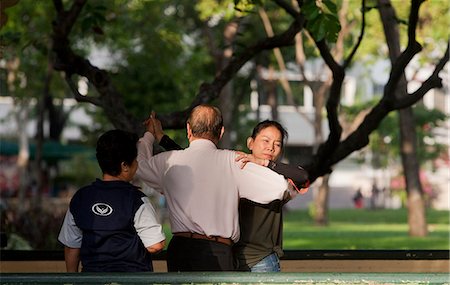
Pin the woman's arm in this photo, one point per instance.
(298, 175)
(168, 144)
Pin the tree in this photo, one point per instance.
(317, 19)
(330, 152)
(416, 217)
(33, 85)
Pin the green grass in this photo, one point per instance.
(361, 229)
(364, 229)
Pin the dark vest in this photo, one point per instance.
(105, 212)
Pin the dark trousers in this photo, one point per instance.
(189, 254)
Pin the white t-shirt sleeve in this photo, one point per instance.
(146, 224)
(70, 235)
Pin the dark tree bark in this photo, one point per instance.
(66, 60)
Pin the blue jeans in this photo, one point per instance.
(270, 263)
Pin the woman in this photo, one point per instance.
(260, 244)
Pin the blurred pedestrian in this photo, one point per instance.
(358, 199)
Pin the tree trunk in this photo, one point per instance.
(416, 210)
(24, 154)
(321, 201)
(226, 106)
(272, 99)
(320, 91)
(21, 111)
(416, 205)
(226, 94)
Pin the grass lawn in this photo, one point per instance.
(364, 229)
(361, 229)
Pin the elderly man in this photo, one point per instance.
(202, 185)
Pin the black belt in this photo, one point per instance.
(226, 241)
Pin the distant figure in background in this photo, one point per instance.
(358, 199)
(110, 225)
(375, 196)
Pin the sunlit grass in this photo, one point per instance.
(364, 229)
(361, 229)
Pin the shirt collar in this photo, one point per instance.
(202, 143)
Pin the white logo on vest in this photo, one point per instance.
(102, 209)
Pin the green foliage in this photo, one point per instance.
(16, 242)
(33, 228)
(24, 40)
(426, 121)
(158, 60)
(93, 17)
(431, 32)
(322, 20)
(385, 140)
(80, 170)
(225, 10)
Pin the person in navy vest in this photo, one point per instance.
(110, 225)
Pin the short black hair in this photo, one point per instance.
(115, 147)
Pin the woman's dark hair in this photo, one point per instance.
(115, 147)
(268, 123)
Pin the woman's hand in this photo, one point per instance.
(245, 157)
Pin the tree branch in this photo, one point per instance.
(348, 60)
(328, 147)
(210, 91)
(80, 98)
(67, 19)
(360, 137)
(288, 8)
(434, 81)
(69, 62)
(400, 63)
